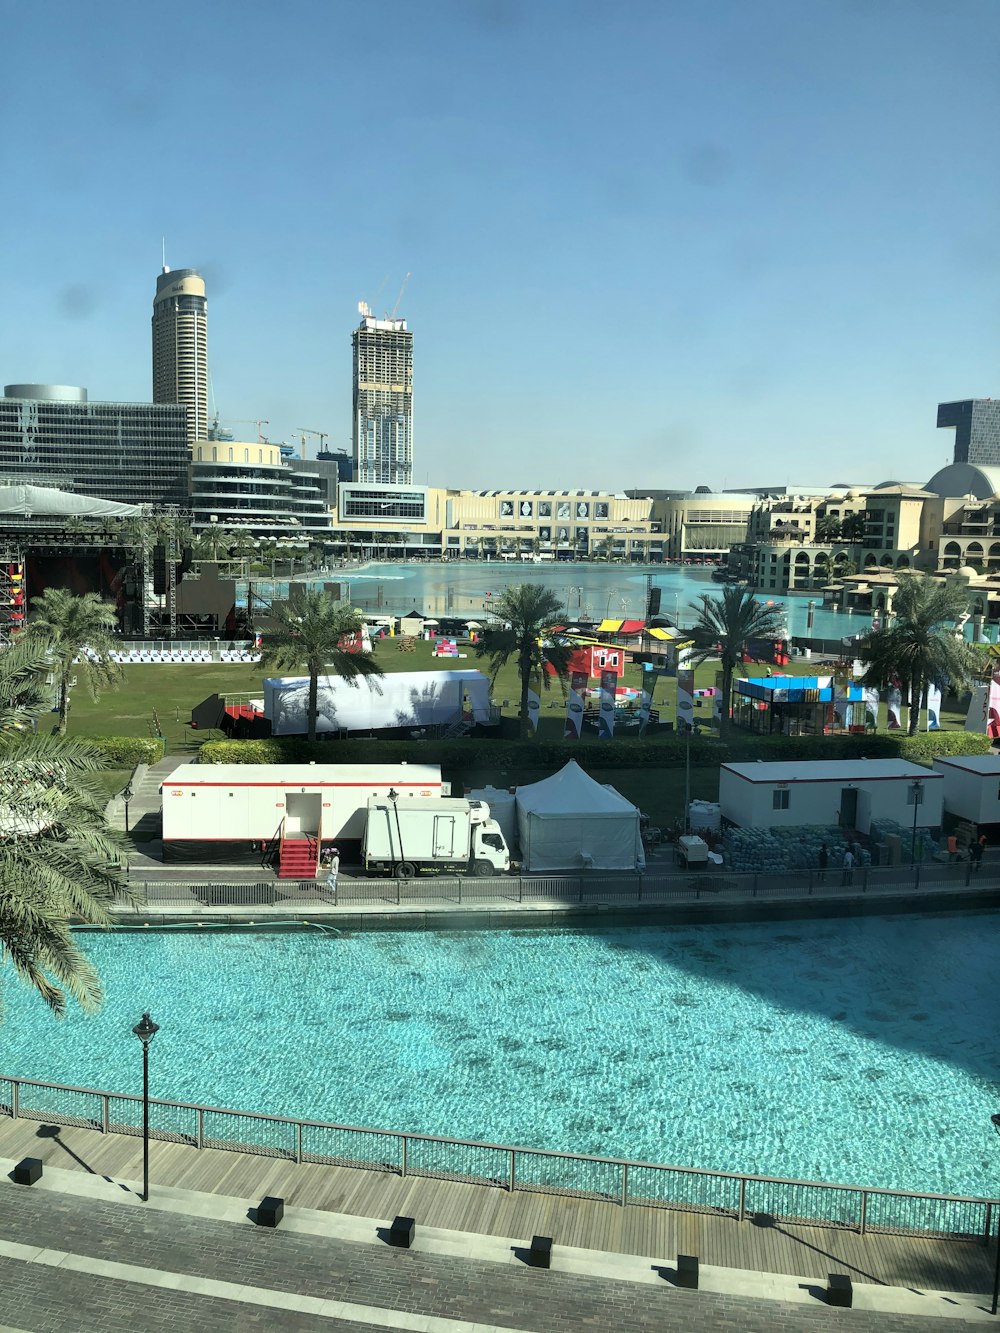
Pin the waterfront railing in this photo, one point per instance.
(649, 887)
(765, 1199)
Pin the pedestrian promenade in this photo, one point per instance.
(757, 1258)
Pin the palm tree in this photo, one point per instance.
(828, 528)
(309, 629)
(59, 862)
(915, 649)
(77, 631)
(852, 527)
(723, 626)
(525, 613)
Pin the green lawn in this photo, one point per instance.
(171, 690)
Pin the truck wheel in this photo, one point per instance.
(406, 870)
(483, 868)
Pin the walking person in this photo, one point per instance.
(976, 852)
(849, 866)
(331, 878)
(824, 861)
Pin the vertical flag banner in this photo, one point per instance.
(871, 707)
(685, 697)
(534, 708)
(609, 683)
(841, 707)
(894, 703)
(574, 706)
(933, 707)
(646, 703)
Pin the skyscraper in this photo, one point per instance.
(180, 346)
(977, 430)
(383, 400)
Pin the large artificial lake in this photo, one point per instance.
(462, 587)
(862, 1050)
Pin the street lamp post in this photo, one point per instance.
(917, 787)
(145, 1030)
(127, 795)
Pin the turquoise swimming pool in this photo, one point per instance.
(864, 1050)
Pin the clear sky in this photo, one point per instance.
(657, 244)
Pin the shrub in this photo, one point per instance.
(460, 757)
(127, 751)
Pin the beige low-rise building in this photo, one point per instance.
(503, 524)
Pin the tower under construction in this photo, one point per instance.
(383, 400)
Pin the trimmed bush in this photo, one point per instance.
(126, 751)
(460, 757)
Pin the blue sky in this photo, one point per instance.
(650, 245)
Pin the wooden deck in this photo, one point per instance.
(808, 1252)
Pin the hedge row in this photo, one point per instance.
(460, 756)
(127, 751)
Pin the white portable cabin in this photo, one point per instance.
(971, 786)
(398, 699)
(247, 802)
(848, 792)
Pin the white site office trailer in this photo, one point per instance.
(848, 792)
(248, 802)
(971, 786)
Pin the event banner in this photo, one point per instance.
(894, 703)
(609, 683)
(574, 706)
(646, 703)
(841, 704)
(534, 708)
(871, 707)
(685, 698)
(933, 707)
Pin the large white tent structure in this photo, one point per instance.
(570, 822)
(397, 699)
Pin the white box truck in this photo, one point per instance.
(403, 837)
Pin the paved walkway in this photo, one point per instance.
(79, 1252)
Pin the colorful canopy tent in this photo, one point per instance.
(570, 822)
(399, 699)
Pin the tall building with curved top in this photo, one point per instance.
(180, 346)
(383, 400)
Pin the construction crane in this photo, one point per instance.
(324, 435)
(400, 296)
(248, 421)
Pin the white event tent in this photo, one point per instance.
(570, 822)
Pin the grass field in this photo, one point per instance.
(165, 693)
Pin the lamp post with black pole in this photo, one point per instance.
(145, 1030)
(917, 790)
(127, 795)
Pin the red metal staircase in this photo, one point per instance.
(299, 858)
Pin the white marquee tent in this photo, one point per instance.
(571, 822)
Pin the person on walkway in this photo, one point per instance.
(976, 852)
(331, 879)
(952, 847)
(849, 866)
(824, 861)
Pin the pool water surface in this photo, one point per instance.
(864, 1050)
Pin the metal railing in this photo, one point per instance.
(706, 884)
(685, 1189)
